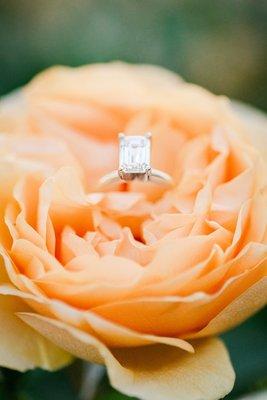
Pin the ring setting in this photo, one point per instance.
(134, 162)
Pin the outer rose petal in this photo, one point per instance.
(166, 373)
(32, 349)
(251, 301)
(256, 122)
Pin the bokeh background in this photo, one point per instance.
(218, 44)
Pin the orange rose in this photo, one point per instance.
(138, 279)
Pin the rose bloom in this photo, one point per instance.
(135, 277)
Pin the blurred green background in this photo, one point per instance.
(218, 44)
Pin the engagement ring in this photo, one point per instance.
(134, 163)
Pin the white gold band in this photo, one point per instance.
(155, 176)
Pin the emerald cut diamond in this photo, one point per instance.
(134, 156)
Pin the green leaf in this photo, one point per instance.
(43, 385)
(248, 350)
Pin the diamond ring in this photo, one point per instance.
(134, 163)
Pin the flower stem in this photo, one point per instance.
(91, 376)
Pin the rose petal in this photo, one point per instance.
(21, 347)
(177, 314)
(113, 335)
(256, 124)
(247, 304)
(156, 372)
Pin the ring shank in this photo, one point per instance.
(160, 177)
(109, 179)
(155, 176)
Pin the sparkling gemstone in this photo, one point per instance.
(134, 154)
